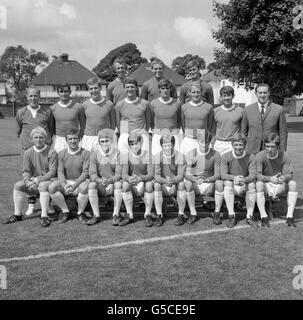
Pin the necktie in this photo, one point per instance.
(262, 111)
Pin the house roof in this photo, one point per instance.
(144, 73)
(214, 75)
(63, 70)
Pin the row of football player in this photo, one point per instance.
(124, 110)
(202, 171)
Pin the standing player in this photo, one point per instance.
(116, 89)
(275, 177)
(150, 88)
(39, 168)
(68, 115)
(132, 114)
(195, 115)
(169, 178)
(185, 91)
(238, 170)
(73, 165)
(203, 176)
(137, 176)
(227, 121)
(99, 114)
(32, 116)
(165, 115)
(105, 173)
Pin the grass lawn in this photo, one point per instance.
(241, 263)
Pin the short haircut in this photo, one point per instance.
(167, 138)
(94, 80)
(262, 85)
(165, 83)
(196, 84)
(238, 137)
(39, 130)
(134, 137)
(32, 88)
(272, 137)
(72, 132)
(106, 133)
(157, 61)
(192, 63)
(131, 80)
(227, 90)
(120, 60)
(61, 86)
(204, 134)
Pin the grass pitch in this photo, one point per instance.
(241, 263)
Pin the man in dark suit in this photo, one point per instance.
(262, 118)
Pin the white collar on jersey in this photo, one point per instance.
(40, 150)
(65, 105)
(33, 111)
(228, 109)
(129, 101)
(73, 152)
(165, 102)
(97, 102)
(196, 104)
(202, 153)
(273, 158)
(239, 157)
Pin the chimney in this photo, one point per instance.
(64, 57)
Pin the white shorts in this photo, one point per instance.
(238, 190)
(109, 190)
(89, 143)
(123, 146)
(273, 190)
(188, 144)
(206, 188)
(223, 146)
(71, 183)
(156, 147)
(139, 187)
(59, 143)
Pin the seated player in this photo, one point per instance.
(73, 165)
(137, 176)
(39, 168)
(195, 114)
(238, 170)
(202, 176)
(150, 88)
(132, 113)
(68, 115)
(105, 173)
(275, 177)
(227, 120)
(165, 115)
(99, 114)
(169, 172)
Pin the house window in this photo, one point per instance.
(81, 87)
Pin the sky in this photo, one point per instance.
(89, 30)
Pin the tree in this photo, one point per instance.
(129, 51)
(179, 64)
(19, 65)
(260, 44)
(212, 66)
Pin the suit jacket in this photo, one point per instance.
(256, 130)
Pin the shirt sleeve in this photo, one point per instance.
(144, 92)
(61, 171)
(109, 93)
(82, 120)
(27, 168)
(112, 116)
(93, 171)
(287, 170)
(259, 164)
(217, 166)
(188, 170)
(173, 92)
(182, 94)
(252, 170)
(148, 117)
(181, 170)
(118, 171)
(224, 169)
(85, 168)
(18, 124)
(53, 166)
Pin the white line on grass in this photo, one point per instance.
(124, 244)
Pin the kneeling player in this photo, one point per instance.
(238, 170)
(137, 176)
(73, 164)
(105, 173)
(275, 177)
(39, 167)
(202, 176)
(169, 176)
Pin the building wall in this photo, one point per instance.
(3, 98)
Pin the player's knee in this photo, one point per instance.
(219, 185)
(157, 186)
(260, 186)
(149, 187)
(188, 186)
(228, 184)
(19, 185)
(53, 187)
(92, 186)
(43, 186)
(251, 186)
(181, 186)
(83, 187)
(292, 186)
(125, 186)
(118, 185)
